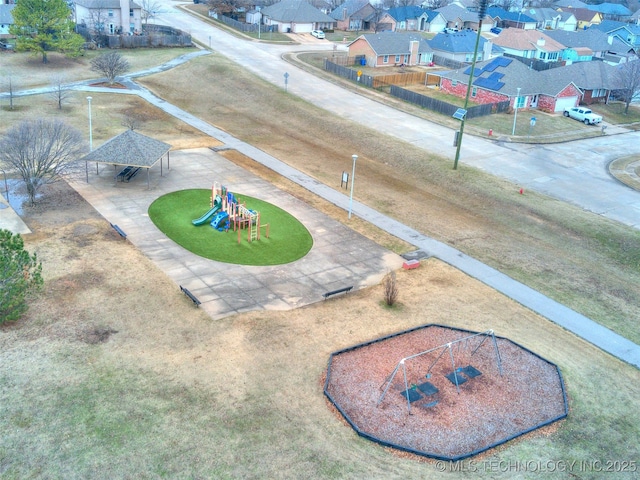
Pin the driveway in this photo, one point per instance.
(556, 170)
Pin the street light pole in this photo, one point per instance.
(482, 11)
(515, 115)
(353, 178)
(86, 164)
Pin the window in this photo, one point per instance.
(397, 60)
(468, 57)
(474, 91)
(520, 102)
(131, 12)
(600, 92)
(111, 13)
(385, 59)
(454, 83)
(406, 59)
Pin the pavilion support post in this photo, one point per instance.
(161, 166)
(148, 186)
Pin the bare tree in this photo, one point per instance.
(60, 91)
(390, 286)
(97, 20)
(627, 79)
(435, 4)
(9, 84)
(227, 7)
(110, 65)
(132, 122)
(149, 10)
(41, 151)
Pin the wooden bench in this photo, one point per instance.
(119, 230)
(193, 298)
(335, 292)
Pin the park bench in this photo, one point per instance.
(193, 298)
(119, 230)
(335, 292)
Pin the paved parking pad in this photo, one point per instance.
(339, 257)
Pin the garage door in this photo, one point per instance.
(566, 102)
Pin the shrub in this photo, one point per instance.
(390, 288)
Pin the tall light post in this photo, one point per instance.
(515, 115)
(353, 178)
(482, 11)
(86, 164)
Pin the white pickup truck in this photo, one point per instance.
(583, 115)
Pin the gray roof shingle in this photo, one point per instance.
(129, 148)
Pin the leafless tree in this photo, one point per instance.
(506, 4)
(132, 122)
(435, 4)
(60, 91)
(97, 20)
(41, 151)
(110, 65)
(149, 10)
(627, 79)
(227, 7)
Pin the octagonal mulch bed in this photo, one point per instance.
(501, 397)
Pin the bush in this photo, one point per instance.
(390, 288)
(20, 274)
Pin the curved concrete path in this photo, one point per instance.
(579, 324)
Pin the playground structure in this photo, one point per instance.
(227, 211)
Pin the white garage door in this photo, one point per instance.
(566, 102)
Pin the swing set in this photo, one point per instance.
(461, 347)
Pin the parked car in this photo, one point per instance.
(318, 34)
(450, 30)
(582, 115)
(496, 30)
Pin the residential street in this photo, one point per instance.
(556, 169)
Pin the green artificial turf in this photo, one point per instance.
(288, 239)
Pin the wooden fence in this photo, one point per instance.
(446, 108)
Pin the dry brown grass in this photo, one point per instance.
(114, 373)
(524, 236)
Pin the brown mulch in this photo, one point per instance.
(487, 410)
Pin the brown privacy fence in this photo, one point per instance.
(445, 108)
(413, 78)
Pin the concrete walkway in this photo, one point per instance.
(579, 324)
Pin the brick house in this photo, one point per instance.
(498, 80)
(388, 49)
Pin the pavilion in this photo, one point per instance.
(129, 149)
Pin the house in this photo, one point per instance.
(595, 80)
(584, 16)
(414, 18)
(460, 46)
(109, 17)
(6, 19)
(550, 19)
(459, 18)
(629, 34)
(505, 79)
(612, 11)
(532, 44)
(635, 18)
(355, 15)
(296, 16)
(388, 49)
(505, 19)
(582, 45)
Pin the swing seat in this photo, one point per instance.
(471, 372)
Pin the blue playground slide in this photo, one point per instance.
(217, 205)
(218, 222)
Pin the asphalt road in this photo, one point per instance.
(575, 172)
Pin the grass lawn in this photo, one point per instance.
(288, 239)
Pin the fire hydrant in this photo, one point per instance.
(490, 131)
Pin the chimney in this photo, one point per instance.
(125, 20)
(344, 14)
(541, 42)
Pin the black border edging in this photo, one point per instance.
(432, 455)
